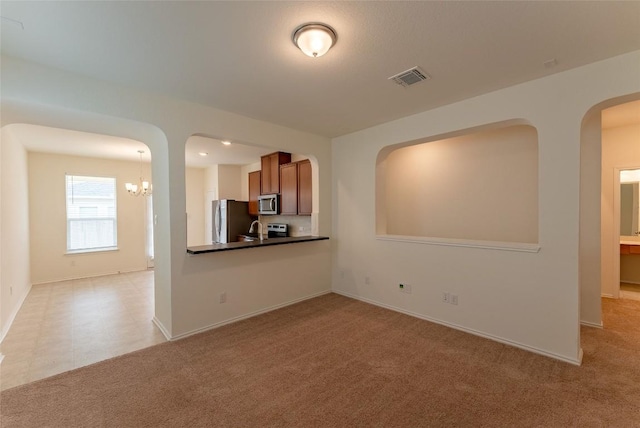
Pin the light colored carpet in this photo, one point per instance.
(336, 362)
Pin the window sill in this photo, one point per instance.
(448, 242)
(91, 251)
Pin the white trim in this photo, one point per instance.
(616, 227)
(119, 272)
(630, 282)
(12, 317)
(161, 327)
(449, 242)
(607, 295)
(591, 324)
(249, 315)
(91, 251)
(577, 361)
(1, 358)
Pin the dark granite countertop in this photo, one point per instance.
(201, 249)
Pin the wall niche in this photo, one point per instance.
(480, 186)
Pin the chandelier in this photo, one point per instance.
(143, 187)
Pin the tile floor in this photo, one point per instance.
(70, 324)
(629, 291)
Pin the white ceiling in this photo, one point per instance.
(238, 56)
(218, 153)
(63, 141)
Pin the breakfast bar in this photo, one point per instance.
(212, 248)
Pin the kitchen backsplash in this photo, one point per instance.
(298, 225)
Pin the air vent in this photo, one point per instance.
(410, 77)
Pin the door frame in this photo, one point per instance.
(616, 226)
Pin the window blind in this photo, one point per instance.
(91, 213)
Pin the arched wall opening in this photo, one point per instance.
(477, 184)
(147, 136)
(215, 171)
(597, 250)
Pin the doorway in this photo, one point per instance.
(620, 157)
(628, 216)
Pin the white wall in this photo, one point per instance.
(620, 149)
(590, 196)
(47, 212)
(528, 299)
(481, 186)
(186, 287)
(229, 182)
(15, 280)
(244, 179)
(195, 198)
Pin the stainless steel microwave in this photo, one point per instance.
(268, 204)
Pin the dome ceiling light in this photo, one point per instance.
(314, 39)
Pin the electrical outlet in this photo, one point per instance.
(11, 290)
(342, 273)
(367, 280)
(223, 297)
(454, 299)
(405, 288)
(445, 297)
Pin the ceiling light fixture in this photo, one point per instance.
(226, 143)
(143, 187)
(314, 39)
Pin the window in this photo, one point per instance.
(91, 213)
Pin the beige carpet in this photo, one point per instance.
(337, 362)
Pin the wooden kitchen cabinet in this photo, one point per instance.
(304, 188)
(254, 191)
(270, 165)
(295, 191)
(289, 189)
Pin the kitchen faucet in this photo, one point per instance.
(259, 228)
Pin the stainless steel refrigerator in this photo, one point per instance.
(230, 219)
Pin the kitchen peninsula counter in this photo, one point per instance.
(201, 249)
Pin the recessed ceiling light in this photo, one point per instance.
(226, 143)
(203, 154)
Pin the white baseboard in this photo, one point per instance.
(591, 324)
(629, 282)
(71, 278)
(249, 315)
(162, 328)
(575, 361)
(14, 313)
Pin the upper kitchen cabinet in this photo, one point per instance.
(296, 193)
(289, 189)
(271, 171)
(254, 192)
(304, 188)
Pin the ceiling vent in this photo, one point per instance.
(410, 77)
